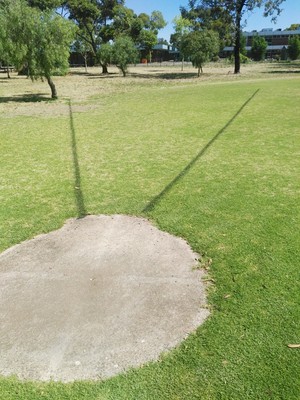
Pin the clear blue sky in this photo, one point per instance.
(255, 20)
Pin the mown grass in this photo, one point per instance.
(149, 151)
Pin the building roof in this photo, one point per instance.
(271, 32)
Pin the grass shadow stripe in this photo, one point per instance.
(155, 200)
(81, 210)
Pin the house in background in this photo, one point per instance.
(161, 52)
(277, 40)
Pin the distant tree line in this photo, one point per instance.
(36, 35)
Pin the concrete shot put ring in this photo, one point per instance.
(99, 295)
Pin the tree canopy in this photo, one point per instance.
(124, 52)
(258, 48)
(294, 48)
(102, 21)
(227, 14)
(200, 47)
(293, 27)
(38, 40)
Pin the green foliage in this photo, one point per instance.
(94, 19)
(82, 47)
(148, 40)
(104, 53)
(123, 20)
(103, 21)
(39, 40)
(49, 51)
(200, 47)
(182, 26)
(136, 29)
(157, 21)
(294, 47)
(283, 54)
(145, 19)
(15, 19)
(124, 52)
(45, 4)
(203, 12)
(243, 59)
(293, 27)
(212, 16)
(259, 48)
(243, 44)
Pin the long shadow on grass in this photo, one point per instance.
(151, 205)
(81, 211)
(166, 76)
(26, 98)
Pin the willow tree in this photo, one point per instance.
(37, 40)
(13, 50)
(49, 51)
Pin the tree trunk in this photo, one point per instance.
(104, 69)
(124, 71)
(8, 74)
(182, 63)
(200, 70)
(237, 45)
(85, 63)
(52, 87)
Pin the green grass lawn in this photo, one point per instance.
(216, 162)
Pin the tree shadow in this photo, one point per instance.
(152, 74)
(286, 71)
(285, 68)
(81, 210)
(83, 73)
(110, 75)
(93, 75)
(155, 200)
(165, 76)
(26, 98)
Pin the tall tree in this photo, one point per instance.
(236, 9)
(151, 26)
(50, 48)
(94, 19)
(209, 15)
(182, 27)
